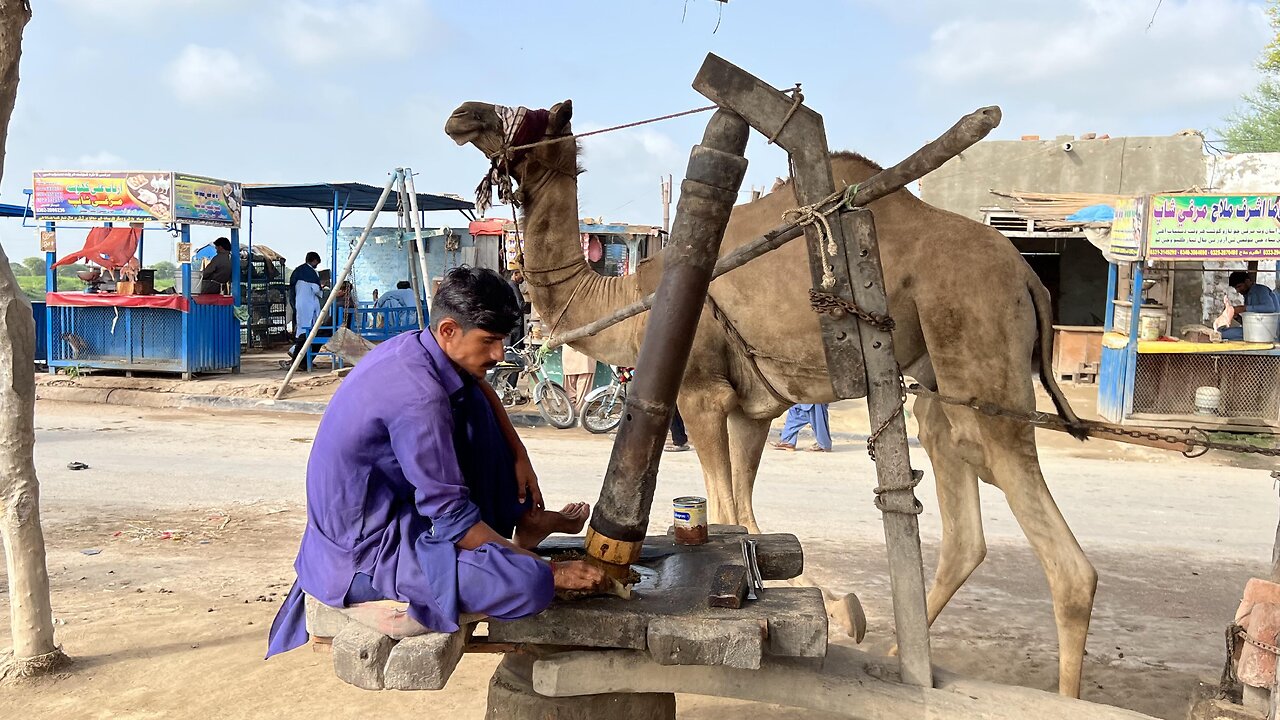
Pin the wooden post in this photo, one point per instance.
(848, 343)
(896, 496)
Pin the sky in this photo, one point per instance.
(297, 91)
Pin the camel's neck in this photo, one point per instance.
(564, 289)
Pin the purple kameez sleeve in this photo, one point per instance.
(422, 439)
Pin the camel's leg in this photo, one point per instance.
(963, 546)
(706, 421)
(1011, 455)
(746, 443)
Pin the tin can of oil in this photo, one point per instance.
(690, 515)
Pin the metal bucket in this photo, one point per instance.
(1261, 327)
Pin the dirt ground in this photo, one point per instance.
(169, 556)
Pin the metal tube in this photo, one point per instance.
(419, 244)
(715, 172)
(235, 266)
(346, 270)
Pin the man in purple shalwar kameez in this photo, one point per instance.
(417, 480)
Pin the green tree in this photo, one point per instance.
(164, 268)
(69, 271)
(19, 270)
(1256, 126)
(34, 265)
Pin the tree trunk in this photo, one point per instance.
(31, 616)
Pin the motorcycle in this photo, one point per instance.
(519, 379)
(602, 408)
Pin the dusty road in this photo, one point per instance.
(175, 625)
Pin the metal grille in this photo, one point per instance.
(1165, 384)
(123, 337)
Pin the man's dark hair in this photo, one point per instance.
(313, 256)
(403, 285)
(223, 243)
(1237, 277)
(476, 298)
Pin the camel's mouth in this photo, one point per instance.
(462, 129)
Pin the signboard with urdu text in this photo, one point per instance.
(1213, 227)
(103, 196)
(1126, 229)
(207, 201)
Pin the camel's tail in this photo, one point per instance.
(1044, 321)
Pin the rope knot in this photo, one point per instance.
(806, 215)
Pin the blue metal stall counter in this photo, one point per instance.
(119, 322)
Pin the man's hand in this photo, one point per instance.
(578, 575)
(527, 481)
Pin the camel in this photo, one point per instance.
(972, 321)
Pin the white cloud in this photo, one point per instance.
(208, 76)
(623, 171)
(319, 32)
(101, 160)
(1096, 55)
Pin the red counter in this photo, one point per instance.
(169, 302)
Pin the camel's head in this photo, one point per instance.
(481, 125)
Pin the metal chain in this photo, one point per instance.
(1228, 681)
(825, 303)
(1266, 647)
(1199, 440)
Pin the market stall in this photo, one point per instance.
(339, 200)
(119, 321)
(1158, 370)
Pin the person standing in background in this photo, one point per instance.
(306, 272)
(799, 416)
(579, 371)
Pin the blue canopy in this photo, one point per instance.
(7, 210)
(349, 196)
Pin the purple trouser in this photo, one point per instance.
(492, 580)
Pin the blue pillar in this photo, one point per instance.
(235, 266)
(50, 275)
(1113, 272)
(1131, 348)
(185, 238)
(187, 327)
(50, 285)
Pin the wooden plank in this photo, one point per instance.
(805, 139)
(893, 460)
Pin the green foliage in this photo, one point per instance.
(32, 286)
(1256, 126)
(164, 267)
(19, 270)
(36, 265)
(69, 271)
(1270, 61)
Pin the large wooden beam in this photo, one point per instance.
(799, 130)
(835, 269)
(851, 684)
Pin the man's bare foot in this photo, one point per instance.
(537, 524)
(578, 576)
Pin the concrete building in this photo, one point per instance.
(1071, 267)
